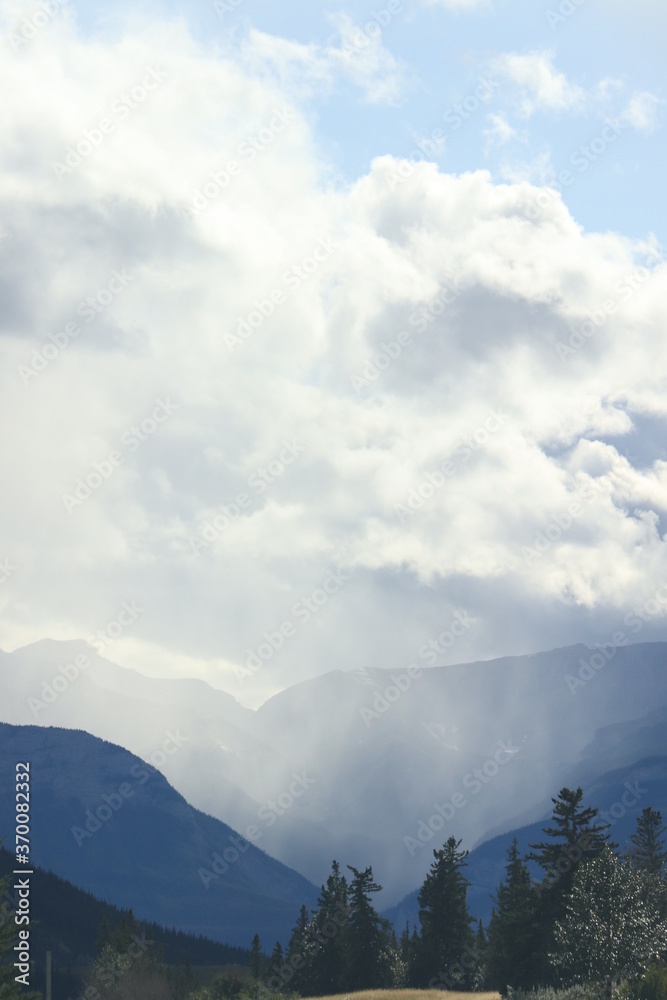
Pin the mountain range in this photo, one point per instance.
(111, 824)
(364, 765)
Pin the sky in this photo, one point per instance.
(332, 336)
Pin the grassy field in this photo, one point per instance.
(412, 995)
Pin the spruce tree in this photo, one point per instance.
(329, 927)
(575, 838)
(369, 953)
(647, 849)
(409, 951)
(445, 942)
(300, 954)
(276, 963)
(481, 954)
(513, 945)
(256, 963)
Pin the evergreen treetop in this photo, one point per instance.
(647, 849)
(575, 835)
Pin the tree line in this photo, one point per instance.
(595, 916)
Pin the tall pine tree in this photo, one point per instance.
(257, 961)
(297, 974)
(647, 843)
(370, 956)
(575, 838)
(446, 939)
(513, 945)
(329, 927)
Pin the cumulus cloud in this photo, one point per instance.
(246, 379)
(641, 112)
(541, 86)
(360, 57)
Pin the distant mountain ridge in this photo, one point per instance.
(112, 825)
(620, 795)
(368, 755)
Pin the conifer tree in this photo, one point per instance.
(299, 958)
(276, 963)
(647, 850)
(575, 838)
(329, 927)
(409, 950)
(513, 933)
(256, 963)
(369, 947)
(446, 938)
(481, 954)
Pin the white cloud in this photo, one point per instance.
(499, 132)
(641, 112)
(360, 58)
(541, 86)
(246, 262)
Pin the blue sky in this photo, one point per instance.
(442, 54)
(448, 373)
